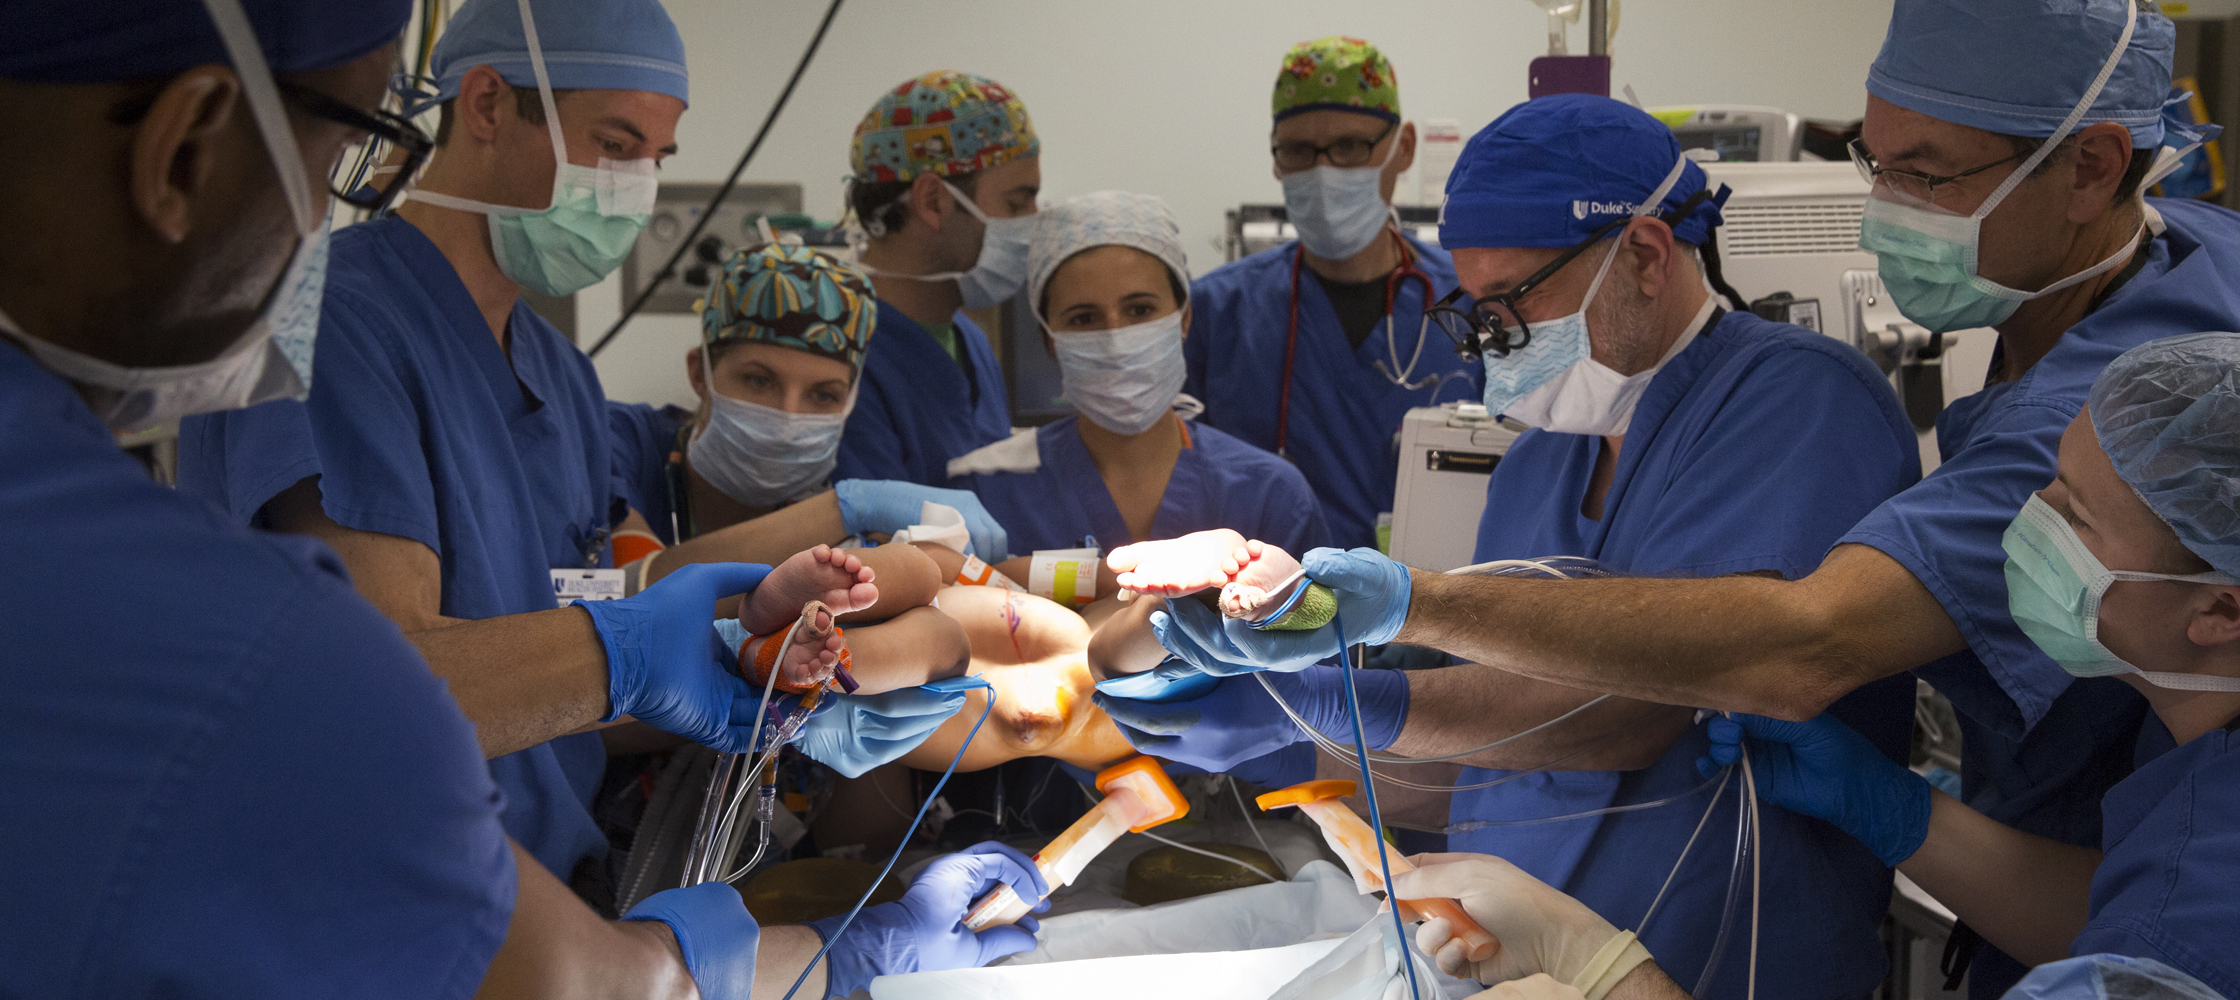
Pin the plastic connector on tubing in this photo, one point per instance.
(1356, 844)
(1138, 796)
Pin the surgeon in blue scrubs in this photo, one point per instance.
(1673, 438)
(2126, 566)
(2009, 141)
(1107, 279)
(227, 774)
(943, 173)
(1316, 349)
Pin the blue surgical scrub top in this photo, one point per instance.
(2165, 890)
(1043, 487)
(918, 407)
(1345, 414)
(224, 773)
(419, 425)
(1753, 450)
(643, 437)
(2038, 750)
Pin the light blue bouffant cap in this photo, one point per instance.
(1103, 218)
(2109, 977)
(98, 41)
(2019, 67)
(588, 45)
(2166, 413)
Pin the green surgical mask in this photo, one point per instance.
(2054, 587)
(593, 221)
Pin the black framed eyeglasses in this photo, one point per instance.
(1347, 152)
(1912, 182)
(1495, 325)
(353, 178)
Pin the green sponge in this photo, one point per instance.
(1314, 609)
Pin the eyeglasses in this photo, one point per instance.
(1348, 152)
(1912, 182)
(351, 180)
(1494, 323)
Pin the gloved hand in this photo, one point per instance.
(924, 931)
(1541, 930)
(715, 932)
(1538, 986)
(1823, 769)
(1372, 593)
(667, 665)
(1237, 721)
(861, 732)
(886, 506)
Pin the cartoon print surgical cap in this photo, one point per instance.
(1104, 218)
(2166, 412)
(2019, 67)
(946, 123)
(1338, 74)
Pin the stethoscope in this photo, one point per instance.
(1395, 373)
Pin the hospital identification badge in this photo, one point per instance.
(572, 585)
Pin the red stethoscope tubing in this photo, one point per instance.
(1392, 283)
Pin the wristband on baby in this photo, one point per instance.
(979, 574)
(1067, 576)
(633, 544)
(761, 660)
(1617, 957)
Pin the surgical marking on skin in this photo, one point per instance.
(1011, 618)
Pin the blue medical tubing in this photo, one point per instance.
(1376, 816)
(897, 855)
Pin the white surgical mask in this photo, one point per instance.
(592, 221)
(1123, 380)
(762, 456)
(1001, 269)
(1554, 383)
(1338, 211)
(272, 357)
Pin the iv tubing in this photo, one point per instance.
(1376, 816)
(891, 858)
(1724, 773)
(1246, 811)
(1240, 862)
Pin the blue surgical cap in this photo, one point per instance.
(588, 45)
(2109, 977)
(2019, 67)
(98, 41)
(1551, 171)
(2166, 412)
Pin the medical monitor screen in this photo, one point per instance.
(1732, 144)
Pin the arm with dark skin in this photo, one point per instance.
(557, 949)
(767, 539)
(1787, 649)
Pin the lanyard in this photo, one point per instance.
(1392, 284)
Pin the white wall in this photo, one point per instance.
(1171, 96)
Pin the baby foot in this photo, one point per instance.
(809, 659)
(1179, 566)
(833, 576)
(1260, 587)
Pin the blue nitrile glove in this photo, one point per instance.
(667, 665)
(888, 505)
(861, 732)
(1237, 721)
(1174, 679)
(1372, 592)
(1823, 769)
(715, 932)
(924, 931)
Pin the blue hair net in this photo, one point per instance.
(2019, 67)
(2109, 977)
(588, 45)
(2166, 412)
(1551, 171)
(96, 41)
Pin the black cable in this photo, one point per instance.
(728, 183)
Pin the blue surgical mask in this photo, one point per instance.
(594, 218)
(2054, 588)
(1123, 380)
(1927, 255)
(1338, 211)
